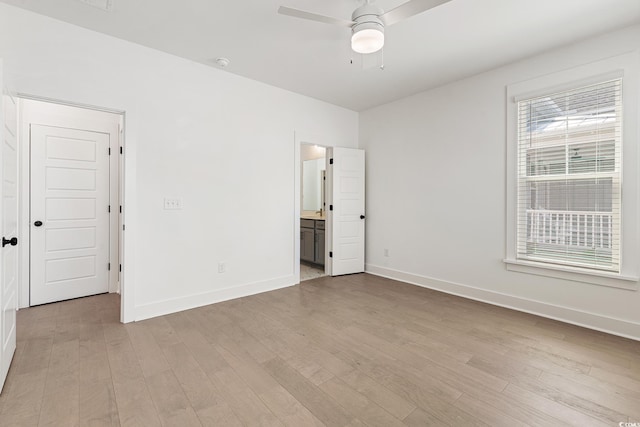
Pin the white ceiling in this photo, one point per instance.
(452, 41)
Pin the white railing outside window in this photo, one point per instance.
(584, 229)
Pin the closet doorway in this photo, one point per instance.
(71, 217)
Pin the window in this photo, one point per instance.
(569, 177)
(573, 173)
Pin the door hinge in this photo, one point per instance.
(120, 267)
(120, 208)
(109, 266)
(330, 254)
(330, 207)
(109, 150)
(330, 161)
(120, 150)
(109, 208)
(122, 227)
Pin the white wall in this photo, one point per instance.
(223, 143)
(436, 166)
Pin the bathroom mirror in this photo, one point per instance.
(312, 184)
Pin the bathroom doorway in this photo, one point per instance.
(313, 191)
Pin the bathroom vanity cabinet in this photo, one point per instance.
(312, 240)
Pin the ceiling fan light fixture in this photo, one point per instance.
(368, 21)
(367, 38)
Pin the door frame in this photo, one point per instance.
(116, 187)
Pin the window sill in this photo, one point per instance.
(602, 278)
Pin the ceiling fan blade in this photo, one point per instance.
(408, 9)
(283, 10)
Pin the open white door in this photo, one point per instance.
(9, 232)
(346, 210)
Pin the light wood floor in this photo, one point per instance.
(350, 351)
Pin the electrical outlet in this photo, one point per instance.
(386, 252)
(222, 267)
(172, 204)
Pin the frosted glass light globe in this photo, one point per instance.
(367, 40)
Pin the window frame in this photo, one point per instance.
(627, 68)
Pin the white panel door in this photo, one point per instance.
(347, 216)
(9, 224)
(69, 213)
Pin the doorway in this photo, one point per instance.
(313, 208)
(337, 222)
(71, 214)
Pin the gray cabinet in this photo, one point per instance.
(307, 241)
(312, 241)
(319, 259)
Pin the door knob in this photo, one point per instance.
(12, 241)
(37, 223)
(361, 216)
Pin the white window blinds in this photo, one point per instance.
(569, 160)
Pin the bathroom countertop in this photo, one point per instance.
(313, 216)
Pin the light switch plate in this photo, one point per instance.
(172, 203)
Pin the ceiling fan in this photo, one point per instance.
(368, 21)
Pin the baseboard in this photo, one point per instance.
(620, 327)
(161, 308)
